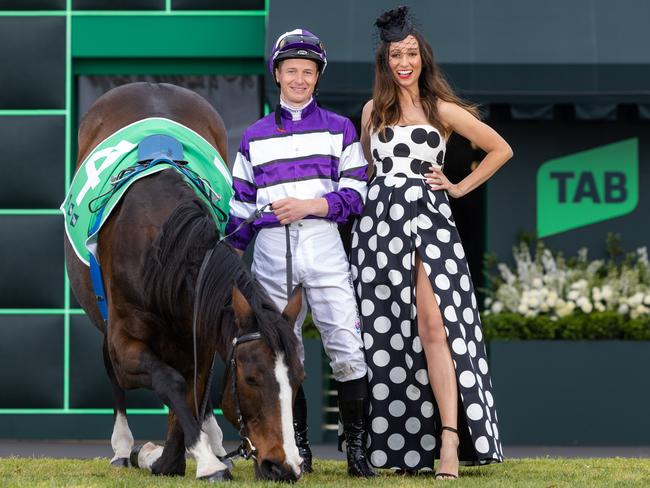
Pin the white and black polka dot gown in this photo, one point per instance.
(403, 216)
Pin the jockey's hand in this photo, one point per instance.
(289, 210)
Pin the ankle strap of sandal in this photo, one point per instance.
(450, 429)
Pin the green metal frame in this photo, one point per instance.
(168, 42)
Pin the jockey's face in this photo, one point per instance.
(297, 79)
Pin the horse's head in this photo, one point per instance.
(267, 375)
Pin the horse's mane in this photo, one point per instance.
(171, 268)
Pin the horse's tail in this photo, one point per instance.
(173, 261)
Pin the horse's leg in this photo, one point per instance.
(211, 427)
(122, 438)
(144, 369)
(172, 458)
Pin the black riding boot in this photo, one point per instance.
(300, 429)
(353, 405)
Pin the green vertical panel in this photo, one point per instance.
(228, 36)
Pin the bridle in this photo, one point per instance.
(246, 449)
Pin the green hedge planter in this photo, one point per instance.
(572, 392)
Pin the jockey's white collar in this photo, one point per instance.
(296, 112)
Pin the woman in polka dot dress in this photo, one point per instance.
(431, 392)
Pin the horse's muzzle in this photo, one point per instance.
(272, 471)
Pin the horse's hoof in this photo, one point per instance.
(223, 475)
(134, 456)
(228, 462)
(121, 462)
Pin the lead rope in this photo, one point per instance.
(197, 299)
(289, 258)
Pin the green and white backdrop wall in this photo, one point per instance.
(57, 57)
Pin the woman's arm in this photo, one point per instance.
(364, 137)
(464, 123)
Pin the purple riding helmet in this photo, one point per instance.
(298, 43)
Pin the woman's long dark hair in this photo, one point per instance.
(432, 85)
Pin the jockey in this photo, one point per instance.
(303, 169)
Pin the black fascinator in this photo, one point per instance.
(394, 25)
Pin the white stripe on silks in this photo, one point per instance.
(122, 438)
(277, 148)
(360, 186)
(149, 454)
(311, 188)
(242, 168)
(211, 427)
(292, 458)
(206, 461)
(240, 209)
(352, 157)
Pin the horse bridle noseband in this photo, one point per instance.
(246, 449)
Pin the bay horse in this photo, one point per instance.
(151, 249)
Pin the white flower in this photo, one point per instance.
(596, 293)
(646, 299)
(537, 283)
(635, 300)
(551, 298)
(623, 308)
(573, 295)
(585, 305)
(487, 302)
(639, 310)
(497, 307)
(599, 306)
(522, 308)
(607, 292)
(567, 309)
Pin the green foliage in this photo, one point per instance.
(309, 330)
(576, 326)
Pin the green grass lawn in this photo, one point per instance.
(541, 472)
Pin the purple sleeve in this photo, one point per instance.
(343, 204)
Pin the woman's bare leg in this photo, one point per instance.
(442, 375)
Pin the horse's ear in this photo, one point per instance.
(240, 306)
(294, 305)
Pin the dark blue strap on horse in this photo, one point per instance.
(96, 277)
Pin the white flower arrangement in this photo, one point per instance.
(547, 284)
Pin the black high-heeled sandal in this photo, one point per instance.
(448, 475)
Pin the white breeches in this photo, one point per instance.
(321, 267)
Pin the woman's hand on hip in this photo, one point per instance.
(437, 180)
